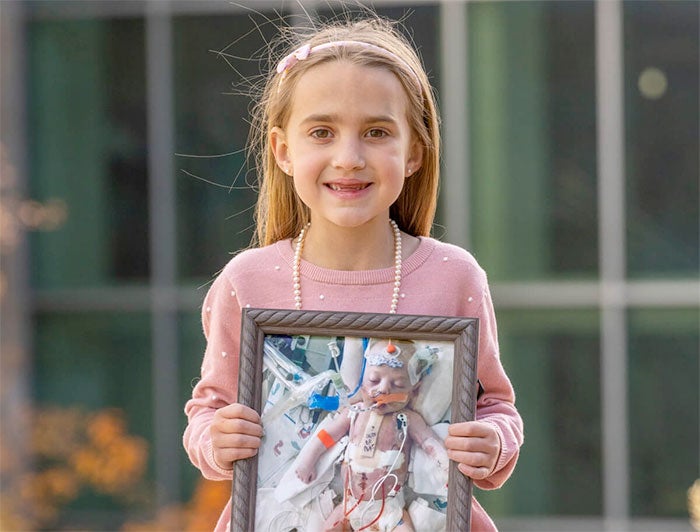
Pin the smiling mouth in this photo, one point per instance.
(341, 188)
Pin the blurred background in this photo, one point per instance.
(570, 171)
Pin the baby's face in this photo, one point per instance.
(389, 388)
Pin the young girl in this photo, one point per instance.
(348, 148)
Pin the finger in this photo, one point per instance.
(235, 441)
(470, 459)
(238, 411)
(472, 444)
(475, 473)
(230, 447)
(470, 428)
(462, 443)
(232, 455)
(239, 426)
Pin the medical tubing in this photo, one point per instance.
(282, 361)
(298, 395)
(377, 484)
(323, 402)
(380, 481)
(270, 363)
(335, 353)
(365, 343)
(348, 489)
(277, 528)
(381, 511)
(359, 382)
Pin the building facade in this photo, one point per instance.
(570, 170)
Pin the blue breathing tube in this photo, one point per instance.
(332, 402)
(323, 402)
(359, 382)
(365, 343)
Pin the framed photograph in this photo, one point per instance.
(355, 408)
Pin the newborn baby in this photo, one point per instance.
(381, 429)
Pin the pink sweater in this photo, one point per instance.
(438, 279)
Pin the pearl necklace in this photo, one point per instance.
(296, 276)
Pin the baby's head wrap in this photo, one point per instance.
(419, 361)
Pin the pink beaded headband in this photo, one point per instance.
(306, 50)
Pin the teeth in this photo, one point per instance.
(334, 186)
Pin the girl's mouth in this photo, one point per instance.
(338, 187)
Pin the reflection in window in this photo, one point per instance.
(534, 216)
(215, 198)
(662, 54)
(92, 375)
(532, 114)
(552, 359)
(88, 150)
(664, 415)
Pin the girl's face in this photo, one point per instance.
(347, 143)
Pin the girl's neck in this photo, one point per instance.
(368, 247)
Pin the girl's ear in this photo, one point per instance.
(415, 158)
(280, 149)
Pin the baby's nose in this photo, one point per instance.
(384, 387)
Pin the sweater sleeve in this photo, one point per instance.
(218, 385)
(496, 406)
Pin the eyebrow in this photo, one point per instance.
(320, 117)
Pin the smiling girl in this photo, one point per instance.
(347, 141)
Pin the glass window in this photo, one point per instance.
(552, 359)
(662, 54)
(664, 406)
(421, 26)
(92, 389)
(88, 151)
(215, 198)
(202, 499)
(533, 217)
(533, 138)
(192, 344)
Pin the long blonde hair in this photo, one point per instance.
(279, 212)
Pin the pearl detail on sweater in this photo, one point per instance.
(296, 275)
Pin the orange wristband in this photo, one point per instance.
(325, 438)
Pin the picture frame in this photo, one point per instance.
(265, 333)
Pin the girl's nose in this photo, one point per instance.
(348, 154)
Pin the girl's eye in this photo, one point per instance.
(376, 133)
(320, 133)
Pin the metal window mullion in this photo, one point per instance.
(17, 306)
(612, 248)
(454, 89)
(162, 233)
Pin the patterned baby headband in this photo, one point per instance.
(306, 50)
(388, 357)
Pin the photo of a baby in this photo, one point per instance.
(353, 434)
(382, 430)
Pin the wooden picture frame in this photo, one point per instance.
(263, 328)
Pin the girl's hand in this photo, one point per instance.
(235, 434)
(475, 446)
